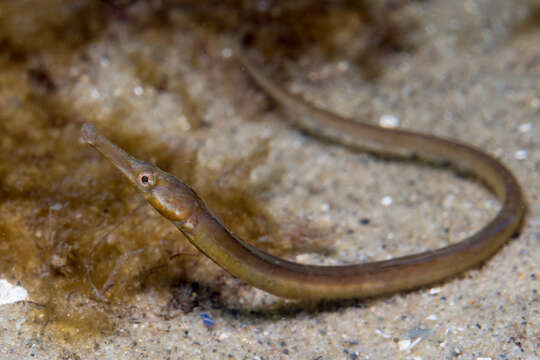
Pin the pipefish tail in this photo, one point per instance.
(187, 211)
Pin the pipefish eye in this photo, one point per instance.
(146, 179)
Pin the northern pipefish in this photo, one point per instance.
(180, 204)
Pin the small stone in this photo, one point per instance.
(226, 53)
(11, 293)
(525, 127)
(387, 201)
(138, 90)
(521, 154)
(389, 121)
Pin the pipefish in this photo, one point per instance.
(180, 204)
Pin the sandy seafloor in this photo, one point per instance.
(470, 70)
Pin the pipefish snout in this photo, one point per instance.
(184, 208)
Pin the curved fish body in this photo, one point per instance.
(184, 208)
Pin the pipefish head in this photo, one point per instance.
(171, 197)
